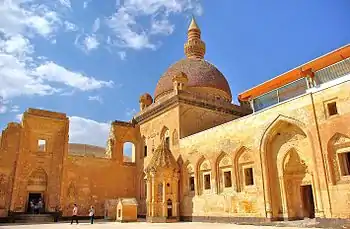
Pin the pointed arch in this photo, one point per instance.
(268, 164)
(338, 147)
(224, 171)
(165, 134)
(244, 167)
(271, 129)
(204, 172)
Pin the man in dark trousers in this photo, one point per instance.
(75, 214)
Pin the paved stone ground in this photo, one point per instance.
(140, 225)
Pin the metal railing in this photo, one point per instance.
(300, 86)
(333, 72)
(281, 94)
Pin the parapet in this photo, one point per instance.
(45, 113)
(122, 123)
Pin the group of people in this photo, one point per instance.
(75, 214)
(36, 207)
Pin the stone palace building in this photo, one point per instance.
(283, 153)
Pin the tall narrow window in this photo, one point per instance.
(191, 183)
(42, 145)
(344, 161)
(145, 151)
(248, 175)
(227, 179)
(207, 181)
(332, 108)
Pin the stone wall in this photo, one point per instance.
(283, 144)
(9, 148)
(34, 159)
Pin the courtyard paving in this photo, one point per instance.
(140, 225)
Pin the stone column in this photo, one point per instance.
(164, 200)
(267, 194)
(196, 182)
(153, 195)
(319, 211)
(149, 195)
(284, 197)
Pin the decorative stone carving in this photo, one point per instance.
(205, 165)
(38, 178)
(225, 161)
(341, 139)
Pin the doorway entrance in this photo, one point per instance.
(33, 200)
(170, 208)
(308, 201)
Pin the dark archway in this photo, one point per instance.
(170, 208)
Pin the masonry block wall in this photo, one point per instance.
(288, 146)
(91, 181)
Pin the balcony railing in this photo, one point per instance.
(300, 86)
(333, 72)
(281, 94)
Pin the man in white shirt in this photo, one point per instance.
(75, 214)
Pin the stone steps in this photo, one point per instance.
(31, 218)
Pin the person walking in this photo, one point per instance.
(92, 214)
(75, 214)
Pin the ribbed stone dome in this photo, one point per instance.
(200, 73)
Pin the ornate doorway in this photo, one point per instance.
(36, 189)
(299, 200)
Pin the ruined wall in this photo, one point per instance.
(9, 149)
(91, 181)
(281, 145)
(42, 147)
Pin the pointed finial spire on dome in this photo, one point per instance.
(193, 24)
(194, 47)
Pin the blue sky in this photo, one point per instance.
(92, 61)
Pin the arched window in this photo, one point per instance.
(166, 135)
(245, 169)
(205, 176)
(129, 152)
(145, 148)
(224, 164)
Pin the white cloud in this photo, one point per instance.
(18, 16)
(66, 3)
(80, 130)
(130, 34)
(21, 72)
(96, 98)
(90, 43)
(86, 3)
(70, 26)
(162, 27)
(3, 109)
(121, 23)
(14, 109)
(55, 73)
(96, 25)
(122, 55)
